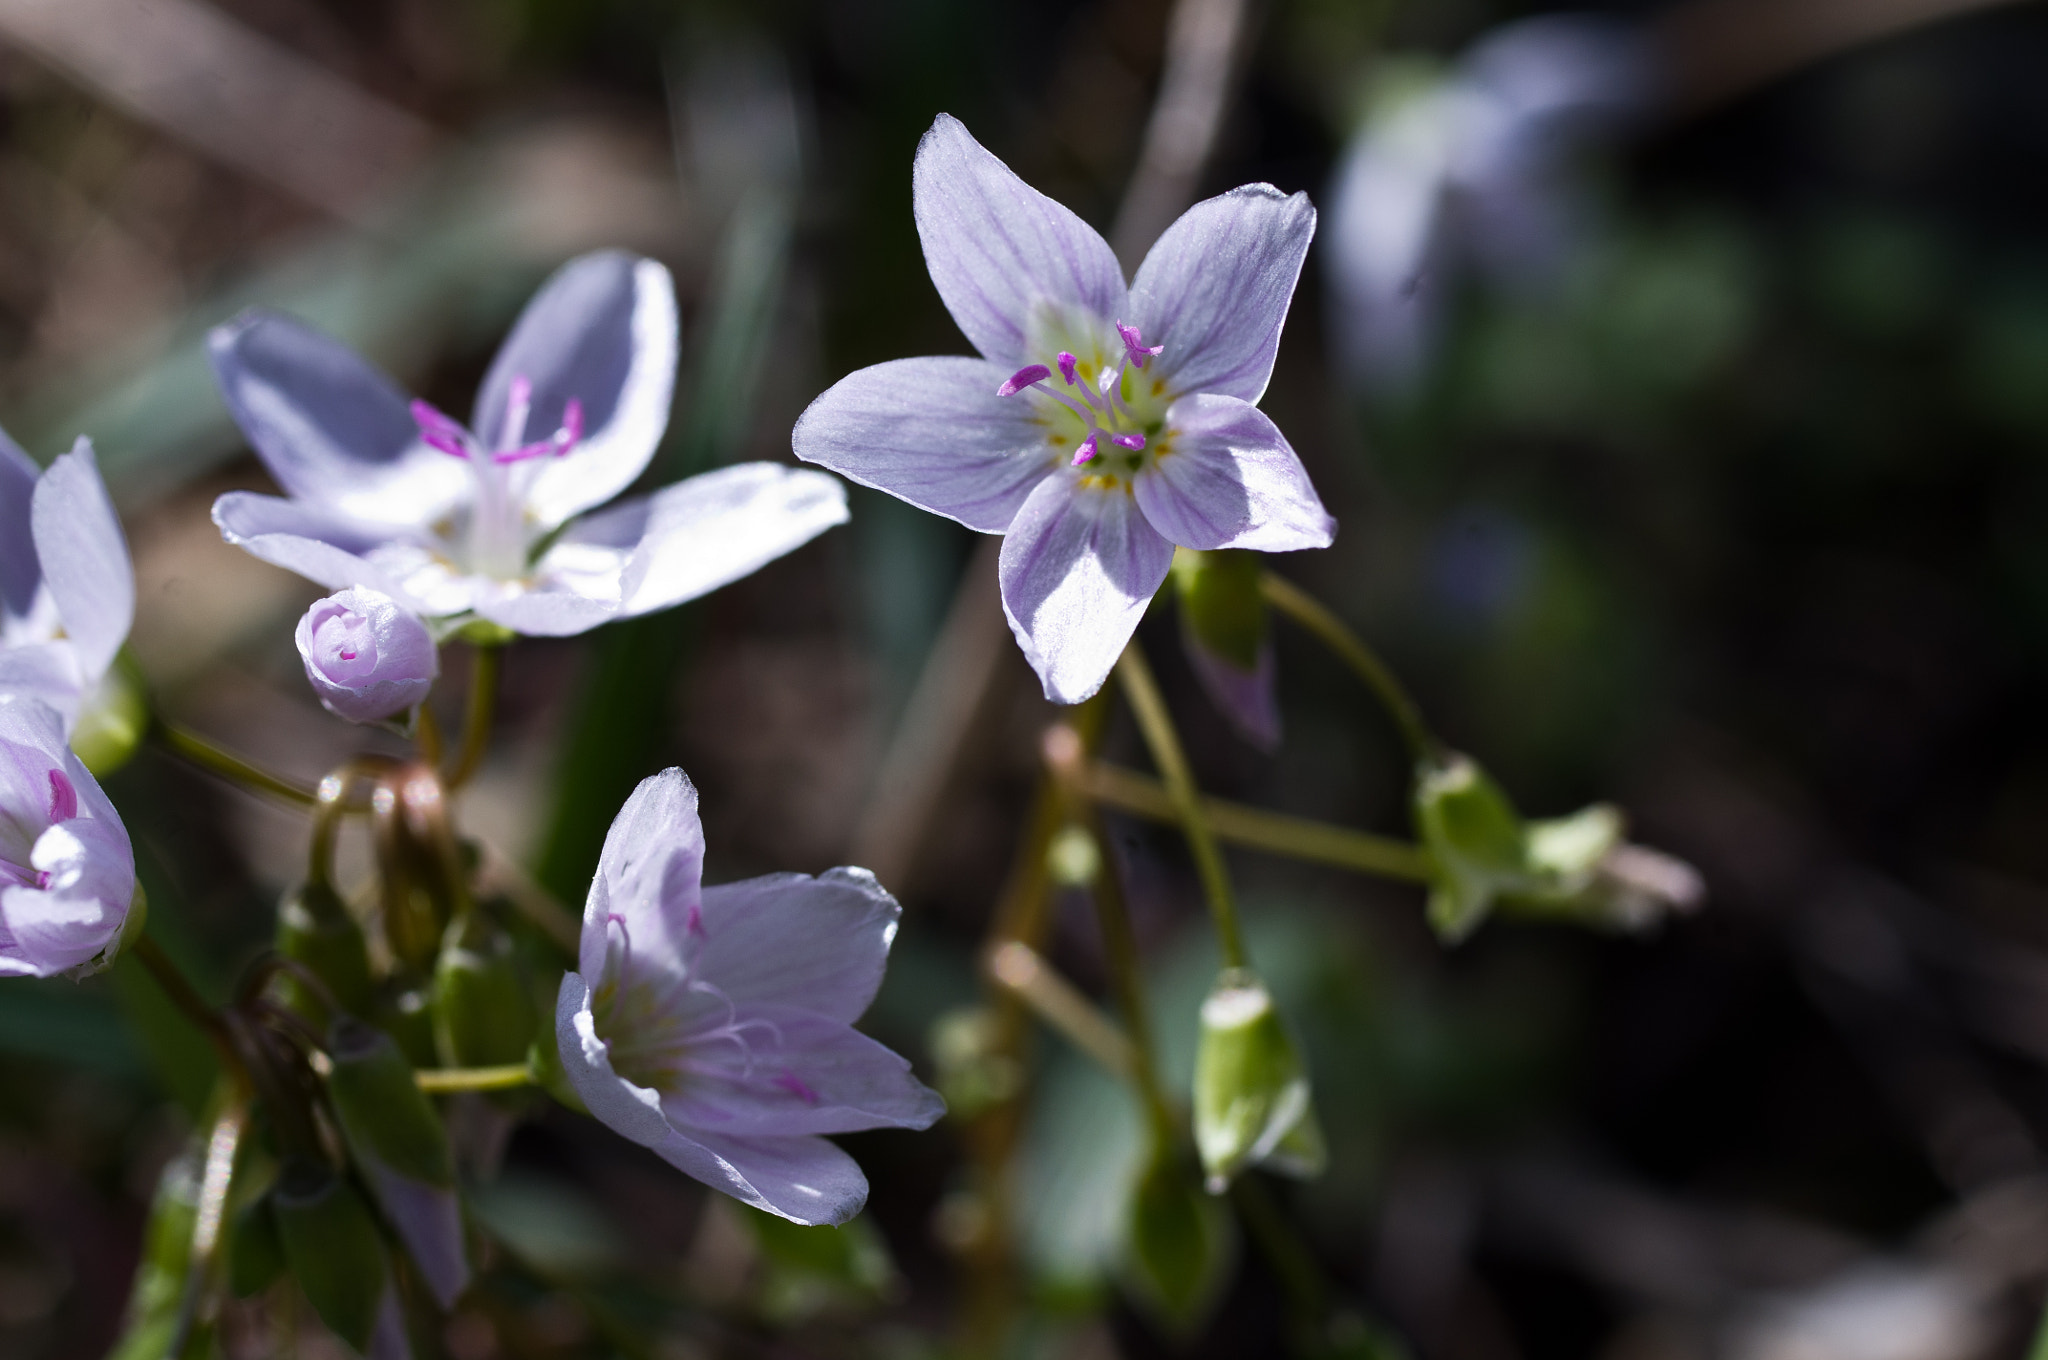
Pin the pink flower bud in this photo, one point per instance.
(368, 657)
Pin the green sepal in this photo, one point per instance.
(483, 1010)
(132, 926)
(1220, 603)
(382, 1110)
(1476, 842)
(544, 1060)
(478, 632)
(1252, 1099)
(114, 719)
(255, 1251)
(332, 1245)
(1179, 1245)
(316, 930)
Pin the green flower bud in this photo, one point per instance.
(113, 719)
(316, 930)
(331, 1242)
(483, 1009)
(1586, 872)
(1180, 1244)
(1475, 841)
(1220, 603)
(1252, 1101)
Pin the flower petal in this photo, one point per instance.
(331, 428)
(793, 940)
(601, 332)
(649, 874)
(1216, 286)
(805, 1180)
(560, 612)
(1246, 697)
(19, 573)
(428, 1219)
(1005, 258)
(708, 530)
(47, 671)
(932, 432)
(1225, 477)
(1078, 568)
(782, 1071)
(85, 558)
(319, 544)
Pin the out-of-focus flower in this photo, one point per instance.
(1229, 639)
(368, 657)
(1473, 170)
(67, 871)
(1095, 452)
(499, 521)
(67, 589)
(715, 1025)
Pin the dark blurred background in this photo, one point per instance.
(1729, 505)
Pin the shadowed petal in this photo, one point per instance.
(932, 432)
(601, 332)
(19, 574)
(791, 1071)
(1216, 286)
(1246, 697)
(84, 557)
(805, 1180)
(1226, 477)
(319, 544)
(1078, 568)
(429, 1221)
(1000, 252)
(715, 528)
(649, 874)
(790, 939)
(331, 428)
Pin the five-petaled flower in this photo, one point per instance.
(67, 591)
(490, 521)
(67, 871)
(1103, 424)
(715, 1025)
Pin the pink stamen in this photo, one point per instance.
(1067, 362)
(571, 432)
(438, 431)
(693, 924)
(792, 1083)
(1134, 345)
(1028, 376)
(63, 797)
(1129, 441)
(1089, 448)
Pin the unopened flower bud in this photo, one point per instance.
(1476, 842)
(399, 1145)
(368, 657)
(316, 930)
(1252, 1101)
(483, 1007)
(331, 1242)
(1180, 1244)
(1585, 871)
(1229, 642)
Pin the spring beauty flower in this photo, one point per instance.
(1103, 424)
(67, 590)
(499, 521)
(367, 656)
(67, 871)
(715, 1025)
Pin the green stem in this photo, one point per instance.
(438, 1081)
(207, 756)
(1017, 968)
(1257, 829)
(1332, 632)
(1164, 742)
(182, 993)
(476, 720)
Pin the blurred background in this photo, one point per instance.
(1678, 375)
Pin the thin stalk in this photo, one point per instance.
(1164, 742)
(426, 736)
(1333, 633)
(1257, 829)
(1018, 970)
(182, 993)
(476, 719)
(223, 1142)
(437, 1081)
(203, 753)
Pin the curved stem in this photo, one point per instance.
(444, 1080)
(476, 721)
(1333, 633)
(181, 992)
(203, 753)
(1157, 725)
(1340, 847)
